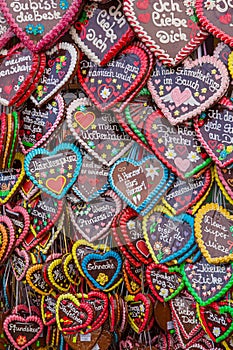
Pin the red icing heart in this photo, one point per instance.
(180, 97)
(225, 19)
(143, 5)
(56, 185)
(84, 119)
(144, 17)
(22, 332)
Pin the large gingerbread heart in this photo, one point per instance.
(207, 282)
(213, 231)
(169, 30)
(39, 25)
(120, 78)
(37, 124)
(138, 183)
(54, 172)
(189, 89)
(99, 132)
(216, 18)
(101, 31)
(214, 130)
(22, 332)
(177, 146)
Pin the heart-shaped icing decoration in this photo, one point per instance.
(82, 248)
(48, 308)
(214, 129)
(184, 316)
(131, 280)
(100, 303)
(78, 340)
(139, 311)
(131, 229)
(216, 320)
(138, 183)
(71, 314)
(93, 220)
(167, 237)
(37, 124)
(61, 62)
(185, 193)
(56, 276)
(222, 52)
(112, 31)
(224, 179)
(213, 231)
(120, 78)
(35, 279)
(178, 34)
(162, 314)
(11, 178)
(92, 180)
(191, 88)
(20, 261)
(44, 212)
(216, 19)
(54, 172)
(20, 70)
(165, 283)
(21, 220)
(103, 271)
(28, 189)
(176, 146)
(99, 133)
(22, 332)
(8, 242)
(38, 27)
(207, 282)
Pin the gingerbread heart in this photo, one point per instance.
(21, 220)
(99, 133)
(11, 178)
(216, 19)
(213, 231)
(56, 276)
(167, 237)
(165, 283)
(139, 311)
(20, 261)
(111, 32)
(35, 279)
(18, 70)
(207, 282)
(54, 172)
(138, 183)
(216, 320)
(93, 219)
(176, 146)
(171, 32)
(38, 27)
(22, 332)
(37, 124)
(8, 242)
(120, 78)
(131, 275)
(224, 178)
(70, 269)
(191, 88)
(222, 52)
(103, 270)
(213, 130)
(92, 180)
(61, 62)
(48, 308)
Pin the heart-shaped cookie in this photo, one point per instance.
(165, 283)
(35, 279)
(138, 183)
(93, 219)
(214, 128)
(54, 172)
(70, 269)
(216, 18)
(99, 133)
(207, 282)
(56, 276)
(11, 178)
(37, 124)
(7, 243)
(191, 88)
(48, 308)
(224, 179)
(213, 232)
(39, 26)
(119, 80)
(167, 237)
(101, 31)
(21, 220)
(22, 332)
(139, 311)
(176, 146)
(103, 271)
(20, 261)
(216, 320)
(169, 30)
(61, 62)
(131, 275)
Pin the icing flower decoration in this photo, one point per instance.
(158, 246)
(29, 28)
(170, 153)
(102, 279)
(210, 4)
(216, 331)
(21, 340)
(193, 157)
(105, 93)
(39, 29)
(151, 171)
(64, 5)
(163, 292)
